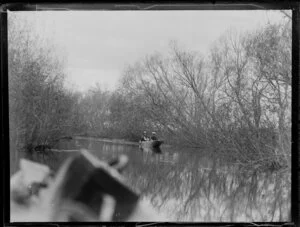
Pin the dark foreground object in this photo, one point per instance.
(84, 189)
(95, 178)
(151, 146)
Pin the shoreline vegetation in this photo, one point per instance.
(106, 140)
(127, 142)
(234, 100)
(272, 165)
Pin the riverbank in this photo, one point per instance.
(271, 163)
(115, 141)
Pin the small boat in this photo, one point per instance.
(152, 146)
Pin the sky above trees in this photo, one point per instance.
(98, 45)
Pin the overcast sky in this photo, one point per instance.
(99, 44)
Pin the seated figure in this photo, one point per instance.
(153, 136)
(144, 137)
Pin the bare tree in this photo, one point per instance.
(235, 101)
(40, 108)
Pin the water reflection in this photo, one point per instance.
(190, 186)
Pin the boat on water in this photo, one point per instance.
(152, 145)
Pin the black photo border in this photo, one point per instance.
(150, 5)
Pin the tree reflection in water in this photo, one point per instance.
(190, 186)
(197, 189)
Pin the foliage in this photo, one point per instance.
(41, 110)
(236, 100)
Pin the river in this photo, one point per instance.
(189, 185)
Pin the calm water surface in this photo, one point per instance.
(187, 185)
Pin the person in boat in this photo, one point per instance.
(144, 137)
(153, 136)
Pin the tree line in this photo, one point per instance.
(234, 100)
